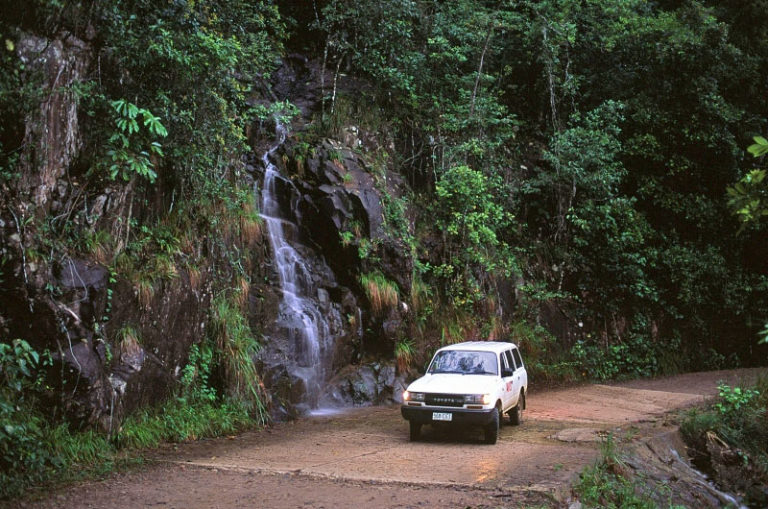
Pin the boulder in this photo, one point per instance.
(363, 385)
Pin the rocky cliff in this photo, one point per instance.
(120, 333)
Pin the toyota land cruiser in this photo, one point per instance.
(469, 384)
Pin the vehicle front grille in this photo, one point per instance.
(444, 399)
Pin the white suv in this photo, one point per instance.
(469, 384)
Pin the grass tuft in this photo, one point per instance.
(382, 293)
(421, 293)
(145, 291)
(180, 421)
(404, 354)
(195, 277)
(242, 290)
(250, 222)
(237, 346)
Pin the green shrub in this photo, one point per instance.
(732, 399)
(545, 359)
(34, 449)
(742, 417)
(24, 457)
(637, 356)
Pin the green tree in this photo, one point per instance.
(193, 64)
(470, 218)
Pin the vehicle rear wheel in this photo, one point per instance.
(415, 429)
(492, 429)
(516, 414)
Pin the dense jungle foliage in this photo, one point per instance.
(588, 156)
(585, 147)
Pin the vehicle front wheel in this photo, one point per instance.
(516, 414)
(415, 429)
(492, 429)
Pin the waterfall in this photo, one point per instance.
(299, 315)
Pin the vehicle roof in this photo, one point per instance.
(480, 346)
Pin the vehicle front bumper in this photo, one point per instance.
(460, 416)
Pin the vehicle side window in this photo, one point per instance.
(518, 359)
(510, 360)
(503, 363)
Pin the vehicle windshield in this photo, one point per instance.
(464, 363)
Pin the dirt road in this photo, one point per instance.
(362, 457)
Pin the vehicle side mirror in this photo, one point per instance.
(507, 372)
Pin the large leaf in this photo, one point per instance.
(760, 147)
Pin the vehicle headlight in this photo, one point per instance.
(478, 399)
(413, 396)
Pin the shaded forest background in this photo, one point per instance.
(581, 149)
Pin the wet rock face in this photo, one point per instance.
(335, 198)
(734, 472)
(332, 206)
(52, 302)
(344, 204)
(340, 200)
(661, 460)
(298, 80)
(102, 372)
(742, 481)
(368, 384)
(285, 375)
(307, 333)
(145, 368)
(52, 138)
(54, 308)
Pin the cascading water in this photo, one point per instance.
(299, 316)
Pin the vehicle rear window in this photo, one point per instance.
(464, 362)
(518, 359)
(510, 360)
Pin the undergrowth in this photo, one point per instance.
(181, 421)
(404, 354)
(36, 451)
(739, 417)
(546, 360)
(610, 483)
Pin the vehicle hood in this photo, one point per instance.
(450, 383)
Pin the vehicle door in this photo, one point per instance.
(521, 375)
(507, 363)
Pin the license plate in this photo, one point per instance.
(442, 416)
